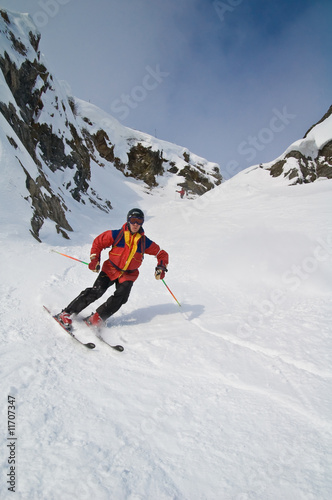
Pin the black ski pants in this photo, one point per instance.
(89, 295)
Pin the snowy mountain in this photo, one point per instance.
(308, 159)
(62, 144)
(227, 397)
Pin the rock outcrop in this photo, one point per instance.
(310, 158)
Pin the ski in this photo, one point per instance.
(119, 348)
(96, 330)
(89, 345)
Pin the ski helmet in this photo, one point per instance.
(135, 212)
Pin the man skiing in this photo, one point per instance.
(182, 192)
(128, 246)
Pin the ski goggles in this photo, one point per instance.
(136, 220)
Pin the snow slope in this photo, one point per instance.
(227, 397)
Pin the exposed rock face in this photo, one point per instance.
(196, 180)
(306, 169)
(310, 158)
(147, 164)
(45, 206)
(46, 121)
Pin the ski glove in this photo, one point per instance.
(94, 263)
(160, 272)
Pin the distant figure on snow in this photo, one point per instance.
(128, 246)
(182, 192)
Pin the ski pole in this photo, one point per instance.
(171, 293)
(82, 261)
(69, 257)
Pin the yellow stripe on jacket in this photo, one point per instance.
(131, 241)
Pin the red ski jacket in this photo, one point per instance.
(127, 252)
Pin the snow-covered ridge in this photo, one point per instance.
(307, 159)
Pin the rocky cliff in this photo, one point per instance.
(60, 142)
(308, 159)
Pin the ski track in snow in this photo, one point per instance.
(283, 400)
(301, 365)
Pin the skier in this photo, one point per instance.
(182, 192)
(128, 246)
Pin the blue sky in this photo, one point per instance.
(235, 81)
